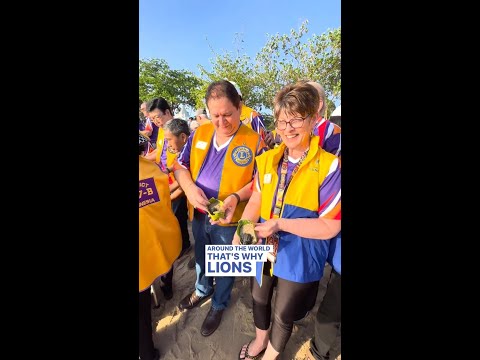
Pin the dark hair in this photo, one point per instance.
(159, 103)
(177, 126)
(300, 98)
(223, 88)
(142, 143)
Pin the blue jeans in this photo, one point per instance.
(206, 234)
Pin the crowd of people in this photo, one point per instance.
(286, 181)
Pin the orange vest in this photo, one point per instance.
(238, 165)
(160, 139)
(160, 239)
(170, 160)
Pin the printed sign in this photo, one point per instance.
(234, 260)
(148, 193)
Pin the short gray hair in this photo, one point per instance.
(177, 126)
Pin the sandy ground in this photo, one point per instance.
(177, 334)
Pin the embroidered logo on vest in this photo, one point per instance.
(242, 155)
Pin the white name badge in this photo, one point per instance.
(267, 178)
(201, 145)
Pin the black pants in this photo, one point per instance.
(326, 345)
(179, 208)
(291, 302)
(168, 278)
(146, 348)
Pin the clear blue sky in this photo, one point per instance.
(176, 30)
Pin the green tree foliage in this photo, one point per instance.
(176, 86)
(237, 68)
(240, 70)
(284, 59)
(288, 58)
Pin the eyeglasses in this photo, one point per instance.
(156, 117)
(294, 123)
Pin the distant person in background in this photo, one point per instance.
(159, 243)
(336, 116)
(201, 116)
(272, 138)
(329, 133)
(147, 128)
(150, 129)
(159, 112)
(250, 117)
(326, 343)
(194, 124)
(141, 119)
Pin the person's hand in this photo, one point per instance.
(196, 197)
(236, 239)
(269, 139)
(267, 228)
(277, 139)
(229, 206)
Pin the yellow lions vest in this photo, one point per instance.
(238, 165)
(160, 239)
(312, 172)
(246, 115)
(160, 139)
(170, 160)
(298, 259)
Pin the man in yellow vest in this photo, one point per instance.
(218, 161)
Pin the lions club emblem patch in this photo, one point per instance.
(242, 155)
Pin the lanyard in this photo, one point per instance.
(282, 186)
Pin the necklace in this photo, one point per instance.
(282, 186)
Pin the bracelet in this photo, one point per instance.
(237, 196)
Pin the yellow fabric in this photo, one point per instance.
(170, 160)
(246, 115)
(311, 174)
(159, 232)
(160, 138)
(234, 177)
